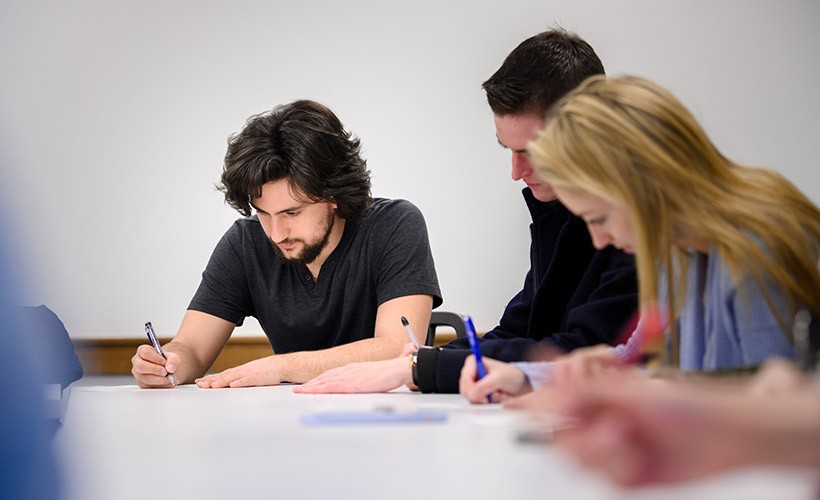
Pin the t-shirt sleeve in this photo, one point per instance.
(406, 264)
(223, 291)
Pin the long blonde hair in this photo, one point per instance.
(630, 141)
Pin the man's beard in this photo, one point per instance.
(311, 251)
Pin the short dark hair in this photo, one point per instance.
(305, 143)
(539, 72)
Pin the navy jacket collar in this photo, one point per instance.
(538, 208)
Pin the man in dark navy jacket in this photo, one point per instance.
(573, 295)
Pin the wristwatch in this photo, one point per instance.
(414, 364)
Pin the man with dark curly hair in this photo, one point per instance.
(327, 270)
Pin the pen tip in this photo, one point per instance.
(404, 321)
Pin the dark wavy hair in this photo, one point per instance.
(540, 71)
(305, 143)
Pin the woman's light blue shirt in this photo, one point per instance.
(724, 323)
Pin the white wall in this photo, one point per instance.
(114, 118)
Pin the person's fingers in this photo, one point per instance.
(473, 394)
(476, 398)
(221, 382)
(483, 388)
(408, 349)
(173, 361)
(490, 384)
(308, 386)
(477, 390)
(777, 377)
(153, 382)
(141, 366)
(559, 373)
(324, 383)
(468, 375)
(310, 389)
(248, 381)
(517, 402)
(598, 443)
(544, 400)
(148, 353)
(575, 370)
(145, 368)
(214, 380)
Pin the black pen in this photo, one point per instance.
(149, 330)
(410, 333)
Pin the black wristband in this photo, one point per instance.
(425, 370)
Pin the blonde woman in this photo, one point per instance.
(729, 250)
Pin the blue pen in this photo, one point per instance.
(473, 339)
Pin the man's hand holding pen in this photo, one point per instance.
(150, 369)
(151, 366)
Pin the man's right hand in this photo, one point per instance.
(150, 369)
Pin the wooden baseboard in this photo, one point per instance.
(113, 356)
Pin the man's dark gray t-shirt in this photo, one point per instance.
(383, 256)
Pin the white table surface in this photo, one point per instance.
(121, 442)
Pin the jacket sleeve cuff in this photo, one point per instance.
(426, 367)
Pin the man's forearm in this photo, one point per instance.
(302, 366)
